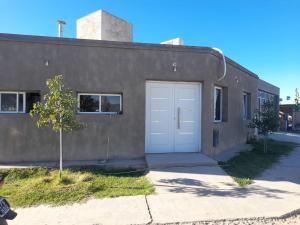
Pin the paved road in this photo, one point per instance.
(186, 194)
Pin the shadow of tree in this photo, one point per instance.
(201, 188)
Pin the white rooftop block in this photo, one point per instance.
(101, 25)
(175, 41)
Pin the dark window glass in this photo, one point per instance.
(8, 102)
(89, 103)
(110, 103)
(217, 104)
(31, 98)
(247, 106)
(21, 103)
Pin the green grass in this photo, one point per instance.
(248, 165)
(31, 187)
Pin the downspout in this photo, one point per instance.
(224, 62)
(219, 51)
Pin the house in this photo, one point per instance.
(290, 117)
(134, 98)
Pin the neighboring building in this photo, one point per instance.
(290, 117)
(134, 98)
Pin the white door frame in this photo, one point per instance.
(147, 108)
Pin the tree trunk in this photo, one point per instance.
(60, 140)
(60, 153)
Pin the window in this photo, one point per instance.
(31, 98)
(89, 103)
(264, 97)
(18, 102)
(110, 103)
(246, 106)
(100, 103)
(12, 102)
(218, 104)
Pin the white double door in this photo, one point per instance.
(172, 117)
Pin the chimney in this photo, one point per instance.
(101, 25)
(61, 24)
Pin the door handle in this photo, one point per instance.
(178, 118)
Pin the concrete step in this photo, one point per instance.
(167, 160)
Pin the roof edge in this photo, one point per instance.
(114, 44)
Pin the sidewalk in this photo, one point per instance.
(185, 194)
(109, 211)
(284, 136)
(207, 193)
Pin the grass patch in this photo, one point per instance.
(31, 187)
(248, 165)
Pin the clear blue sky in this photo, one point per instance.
(262, 35)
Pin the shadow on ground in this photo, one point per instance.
(224, 189)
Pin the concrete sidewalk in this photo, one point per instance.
(185, 194)
(109, 211)
(284, 136)
(199, 193)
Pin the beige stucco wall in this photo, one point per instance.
(265, 86)
(114, 67)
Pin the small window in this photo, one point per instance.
(246, 106)
(263, 97)
(110, 103)
(12, 102)
(89, 103)
(31, 98)
(100, 103)
(218, 104)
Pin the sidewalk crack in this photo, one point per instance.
(149, 211)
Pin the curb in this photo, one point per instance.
(250, 219)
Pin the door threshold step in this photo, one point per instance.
(167, 160)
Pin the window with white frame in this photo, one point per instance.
(218, 104)
(100, 103)
(12, 102)
(246, 106)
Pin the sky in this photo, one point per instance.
(261, 35)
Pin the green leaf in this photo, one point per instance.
(267, 119)
(58, 107)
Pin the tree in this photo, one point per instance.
(297, 100)
(266, 120)
(58, 111)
